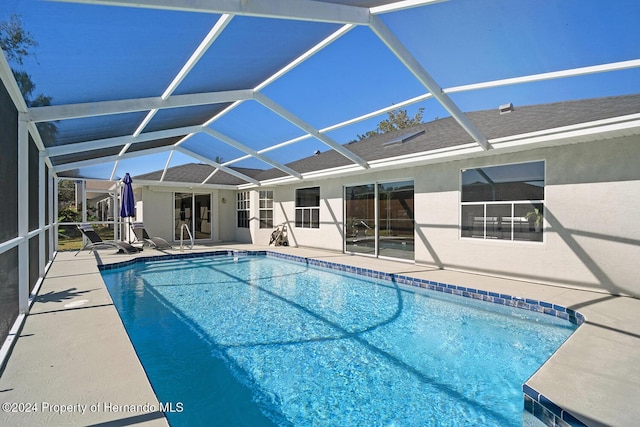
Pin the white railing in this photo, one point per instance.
(185, 227)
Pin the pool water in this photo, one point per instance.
(255, 340)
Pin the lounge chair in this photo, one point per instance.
(143, 236)
(96, 241)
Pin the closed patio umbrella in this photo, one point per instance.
(127, 200)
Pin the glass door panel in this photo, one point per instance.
(396, 226)
(360, 222)
(182, 214)
(202, 220)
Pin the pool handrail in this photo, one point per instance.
(185, 227)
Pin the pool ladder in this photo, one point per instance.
(185, 227)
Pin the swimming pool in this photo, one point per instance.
(257, 340)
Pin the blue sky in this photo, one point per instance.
(96, 53)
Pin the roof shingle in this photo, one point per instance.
(441, 133)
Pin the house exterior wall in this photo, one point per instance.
(157, 212)
(226, 215)
(590, 239)
(591, 207)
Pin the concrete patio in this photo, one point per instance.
(73, 359)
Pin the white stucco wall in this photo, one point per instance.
(158, 211)
(590, 238)
(226, 215)
(592, 206)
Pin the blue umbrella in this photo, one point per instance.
(128, 202)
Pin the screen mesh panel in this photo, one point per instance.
(8, 166)
(8, 291)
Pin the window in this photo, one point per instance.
(308, 207)
(266, 209)
(503, 202)
(243, 209)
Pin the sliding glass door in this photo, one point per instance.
(194, 211)
(379, 219)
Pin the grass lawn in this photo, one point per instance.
(70, 238)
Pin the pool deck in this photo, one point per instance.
(73, 350)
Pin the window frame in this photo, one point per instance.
(265, 208)
(243, 209)
(514, 222)
(307, 215)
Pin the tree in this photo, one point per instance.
(66, 194)
(397, 119)
(17, 43)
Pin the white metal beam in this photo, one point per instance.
(153, 185)
(337, 126)
(210, 176)
(290, 117)
(232, 142)
(305, 10)
(150, 115)
(23, 214)
(114, 170)
(218, 165)
(208, 40)
(394, 44)
(375, 113)
(306, 55)
(401, 5)
(108, 159)
(290, 66)
(614, 66)
(60, 150)
(91, 109)
(572, 72)
(51, 206)
(166, 165)
(110, 142)
(41, 213)
(6, 76)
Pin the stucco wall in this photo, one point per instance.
(226, 218)
(591, 238)
(592, 206)
(158, 211)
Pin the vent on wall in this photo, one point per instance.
(506, 108)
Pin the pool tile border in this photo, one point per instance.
(113, 266)
(514, 301)
(547, 411)
(537, 404)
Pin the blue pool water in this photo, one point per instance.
(255, 340)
